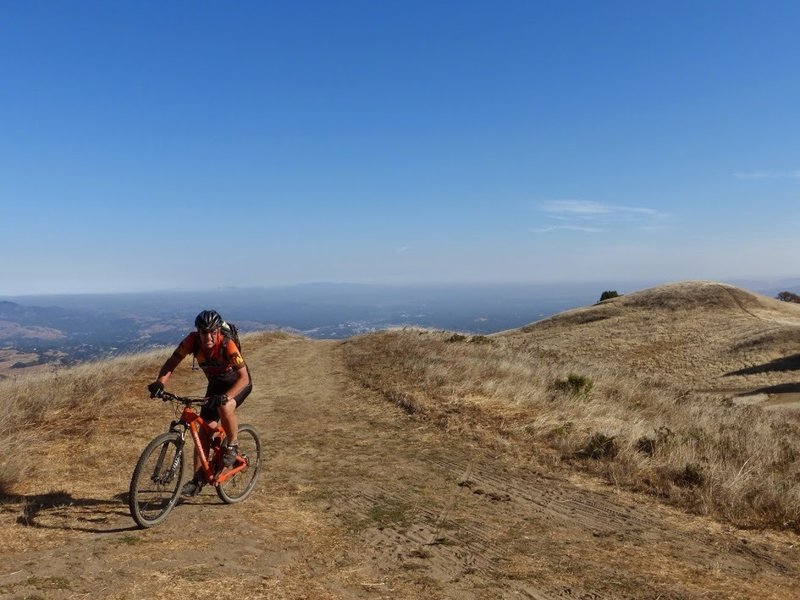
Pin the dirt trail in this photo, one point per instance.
(359, 500)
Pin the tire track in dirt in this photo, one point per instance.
(547, 496)
(562, 504)
(453, 554)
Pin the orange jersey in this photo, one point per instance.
(223, 359)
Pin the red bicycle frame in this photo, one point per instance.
(196, 423)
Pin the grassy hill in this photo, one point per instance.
(667, 390)
(537, 462)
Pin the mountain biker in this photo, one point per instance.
(228, 379)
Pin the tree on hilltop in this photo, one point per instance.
(608, 294)
(788, 297)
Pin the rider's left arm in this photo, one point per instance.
(242, 372)
(242, 381)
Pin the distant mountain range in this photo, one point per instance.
(74, 328)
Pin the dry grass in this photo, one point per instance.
(616, 389)
(42, 408)
(46, 410)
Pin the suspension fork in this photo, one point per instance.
(156, 477)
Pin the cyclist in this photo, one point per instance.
(228, 379)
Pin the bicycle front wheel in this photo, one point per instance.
(238, 487)
(156, 482)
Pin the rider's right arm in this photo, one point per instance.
(169, 366)
(183, 349)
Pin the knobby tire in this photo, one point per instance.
(239, 487)
(155, 484)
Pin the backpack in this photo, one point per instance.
(229, 330)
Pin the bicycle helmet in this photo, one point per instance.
(208, 320)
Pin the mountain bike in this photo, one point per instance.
(158, 477)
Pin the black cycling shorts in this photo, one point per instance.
(218, 387)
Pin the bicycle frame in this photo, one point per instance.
(194, 423)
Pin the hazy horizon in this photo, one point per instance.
(68, 329)
(627, 285)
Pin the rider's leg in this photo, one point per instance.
(227, 412)
(230, 422)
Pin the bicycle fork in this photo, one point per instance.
(164, 477)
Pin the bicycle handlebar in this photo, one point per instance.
(186, 400)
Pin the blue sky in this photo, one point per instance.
(162, 145)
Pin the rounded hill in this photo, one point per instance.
(714, 335)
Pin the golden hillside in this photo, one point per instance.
(704, 335)
(668, 389)
(605, 452)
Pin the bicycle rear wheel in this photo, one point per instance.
(238, 487)
(156, 481)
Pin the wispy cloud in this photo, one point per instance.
(569, 228)
(596, 217)
(589, 208)
(768, 175)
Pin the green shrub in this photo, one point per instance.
(564, 430)
(599, 446)
(456, 337)
(575, 385)
(608, 294)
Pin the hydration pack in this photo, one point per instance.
(229, 330)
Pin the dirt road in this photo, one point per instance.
(359, 500)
